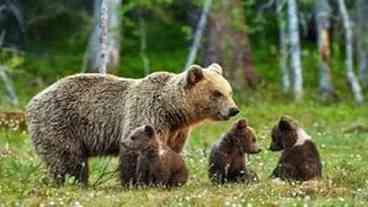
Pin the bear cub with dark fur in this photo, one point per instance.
(300, 159)
(227, 161)
(147, 162)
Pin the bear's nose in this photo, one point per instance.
(233, 111)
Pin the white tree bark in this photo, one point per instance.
(104, 44)
(103, 53)
(198, 34)
(323, 15)
(114, 34)
(353, 81)
(7, 81)
(362, 11)
(295, 62)
(284, 56)
(8, 85)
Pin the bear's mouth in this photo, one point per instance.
(220, 117)
(274, 148)
(128, 147)
(255, 151)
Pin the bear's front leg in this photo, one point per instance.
(288, 172)
(276, 172)
(177, 141)
(179, 177)
(249, 176)
(144, 171)
(127, 168)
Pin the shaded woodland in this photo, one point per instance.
(285, 43)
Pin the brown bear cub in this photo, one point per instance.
(300, 159)
(227, 161)
(147, 162)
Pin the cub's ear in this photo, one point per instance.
(216, 67)
(193, 75)
(148, 129)
(286, 123)
(241, 124)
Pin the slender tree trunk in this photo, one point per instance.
(323, 15)
(227, 43)
(8, 85)
(243, 50)
(295, 62)
(284, 56)
(114, 35)
(198, 34)
(12, 22)
(362, 11)
(103, 51)
(353, 81)
(212, 48)
(4, 77)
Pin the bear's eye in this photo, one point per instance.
(217, 93)
(254, 140)
(133, 138)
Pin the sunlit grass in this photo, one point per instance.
(23, 179)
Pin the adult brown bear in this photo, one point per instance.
(87, 115)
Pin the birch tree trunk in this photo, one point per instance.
(8, 85)
(103, 51)
(295, 62)
(323, 14)
(353, 81)
(362, 11)
(283, 38)
(198, 34)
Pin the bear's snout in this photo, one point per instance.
(227, 113)
(257, 151)
(233, 111)
(274, 147)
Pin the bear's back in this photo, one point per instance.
(83, 107)
(306, 160)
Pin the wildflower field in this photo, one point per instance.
(340, 132)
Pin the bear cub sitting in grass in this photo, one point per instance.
(300, 159)
(147, 162)
(227, 161)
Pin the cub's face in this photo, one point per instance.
(284, 134)
(141, 138)
(244, 137)
(210, 93)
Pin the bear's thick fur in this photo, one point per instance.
(227, 161)
(300, 159)
(87, 115)
(151, 162)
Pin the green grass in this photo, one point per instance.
(23, 180)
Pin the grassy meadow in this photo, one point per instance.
(338, 129)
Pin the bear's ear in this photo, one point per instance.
(241, 124)
(286, 123)
(216, 67)
(193, 76)
(149, 131)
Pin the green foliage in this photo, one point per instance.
(11, 59)
(23, 180)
